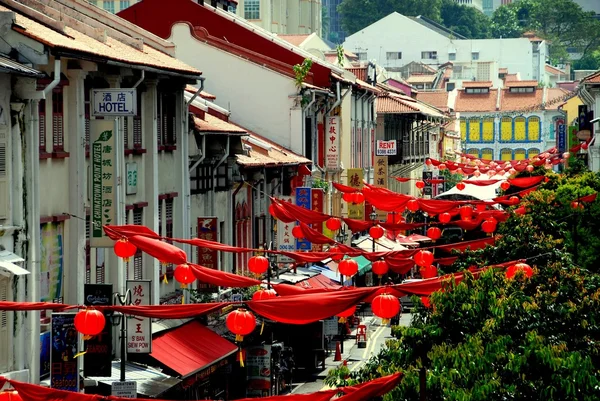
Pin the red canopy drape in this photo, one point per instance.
(203, 243)
(128, 230)
(526, 182)
(481, 183)
(315, 237)
(221, 278)
(357, 225)
(163, 251)
(472, 245)
(344, 188)
(400, 266)
(371, 389)
(167, 311)
(280, 212)
(23, 306)
(302, 214)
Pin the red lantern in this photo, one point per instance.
(347, 197)
(376, 232)
(380, 267)
(183, 274)
(125, 249)
(343, 317)
(10, 396)
(336, 254)
(434, 233)
(525, 268)
(241, 323)
(429, 272)
(566, 155)
(480, 207)
(460, 186)
(442, 166)
(466, 212)
(297, 232)
(521, 210)
(428, 162)
(358, 198)
(89, 322)
(529, 168)
(505, 185)
(445, 218)
(488, 226)
(585, 146)
(420, 184)
(333, 224)
(423, 258)
(412, 205)
(514, 200)
(426, 302)
(576, 205)
(258, 264)
(348, 267)
(385, 306)
(261, 295)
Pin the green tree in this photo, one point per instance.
(466, 21)
(325, 21)
(505, 23)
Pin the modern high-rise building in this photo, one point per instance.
(113, 6)
(471, 3)
(332, 25)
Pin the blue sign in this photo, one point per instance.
(64, 372)
(562, 136)
(303, 199)
(44, 355)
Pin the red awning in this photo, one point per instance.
(190, 348)
(318, 281)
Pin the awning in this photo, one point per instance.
(7, 263)
(190, 348)
(150, 382)
(319, 281)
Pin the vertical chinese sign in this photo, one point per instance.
(285, 240)
(317, 205)
(104, 180)
(332, 143)
(207, 229)
(303, 199)
(561, 137)
(355, 180)
(97, 361)
(380, 177)
(64, 374)
(139, 329)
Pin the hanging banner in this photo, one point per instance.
(64, 372)
(303, 199)
(52, 261)
(380, 174)
(139, 329)
(207, 229)
(97, 361)
(561, 137)
(355, 180)
(104, 180)
(332, 143)
(258, 362)
(427, 190)
(386, 148)
(317, 205)
(285, 239)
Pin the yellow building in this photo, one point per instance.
(571, 107)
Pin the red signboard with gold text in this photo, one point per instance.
(207, 229)
(317, 204)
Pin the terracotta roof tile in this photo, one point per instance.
(437, 99)
(510, 78)
(502, 70)
(359, 72)
(519, 101)
(521, 84)
(553, 70)
(203, 95)
(553, 96)
(111, 49)
(266, 152)
(421, 78)
(391, 103)
(364, 85)
(477, 84)
(472, 102)
(592, 79)
(212, 124)
(296, 40)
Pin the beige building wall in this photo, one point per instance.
(113, 6)
(292, 17)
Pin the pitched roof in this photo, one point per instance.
(264, 152)
(296, 40)
(521, 84)
(474, 102)
(437, 99)
(555, 97)
(510, 101)
(391, 103)
(203, 95)
(434, 26)
(553, 70)
(71, 30)
(477, 84)
(502, 70)
(213, 125)
(511, 77)
(359, 72)
(592, 78)
(12, 67)
(421, 78)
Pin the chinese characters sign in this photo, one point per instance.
(114, 102)
(285, 240)
(303, 199)
(355, 180)
(380, 175)
(561, 135)
(64, 374)
(132, 178)
(332, 143)
(104, 180)
(207, 229)
(139, 329)
(97, 361)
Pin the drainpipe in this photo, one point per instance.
(48, 89)
(187, 116)
(202, 79)
(371, 118)
(140, 80)
(202, 157)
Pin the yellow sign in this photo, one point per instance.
(355, 180)
(380, 175)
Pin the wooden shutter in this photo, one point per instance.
(42, 125)
(4, 332)
(4, 182)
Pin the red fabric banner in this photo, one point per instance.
(302, 214)
(427, 286)
(525, 182)
(401, 226)
(286, 290)
(306, 257)
(280, 212)
(588, 198)
(221, 278)
(303, 309)
(448, 261)
(481, 183)
(160, 250)
(344, 188)
(23, 306)
(357, 225)
(167, 311)
(389, 203)
(315, 237)
(318, 396)
(472, 245)
(371, 389)
(32, 392)
(128, 230)
(203, 243)
(400, 266)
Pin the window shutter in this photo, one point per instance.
(4, 340)
(126, 133)
(137, 132)
(4, 184)
(137, 266)
(42, 125)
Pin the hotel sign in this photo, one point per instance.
(114, 102)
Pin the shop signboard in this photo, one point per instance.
(97, 361)
(64, 372)
(139, 329)
(386, 148)
(332, 143)
(285, 239)
(355, 180)
(303, 199)
(114, 102)
(317, 205)
(258, 362)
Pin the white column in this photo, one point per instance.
(75, 269)
(181, 215)
(150, 162)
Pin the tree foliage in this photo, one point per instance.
(492, 338)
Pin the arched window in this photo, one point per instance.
(520, 130)
(506, 129)
(519, 154)
(463, 129)
(506, 154)
(488, 130)
(533, 128)
(474, 130)
(533, 152)
(473, 152)
(487, 154)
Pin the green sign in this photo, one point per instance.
(103, 181)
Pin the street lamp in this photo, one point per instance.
(272, 262)
(120, 318)
(373, 217)
(342, 236)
